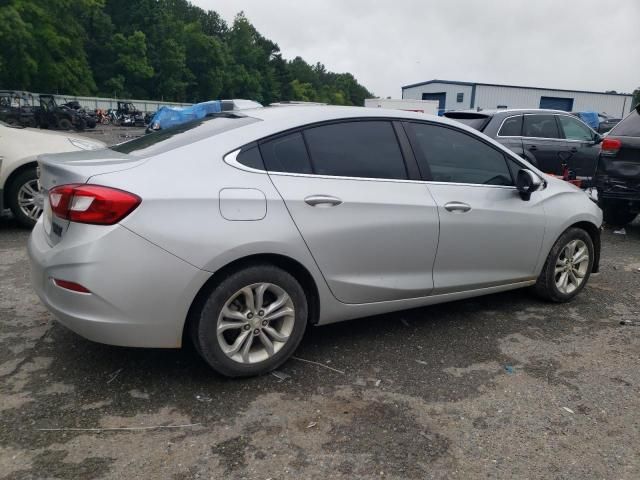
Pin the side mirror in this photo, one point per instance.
(527, 183)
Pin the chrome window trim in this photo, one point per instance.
(231, 159)
(387, 180)
(545, 138)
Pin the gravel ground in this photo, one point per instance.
(111, 134)
(503, 386)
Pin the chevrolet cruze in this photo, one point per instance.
(239, 230)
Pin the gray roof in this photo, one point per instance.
(473, 84)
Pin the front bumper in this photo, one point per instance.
(140, 294)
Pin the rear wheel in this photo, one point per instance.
(617, 213)
(568, 267)
(25, 200)
(252, 321)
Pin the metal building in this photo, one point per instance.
(465, 95)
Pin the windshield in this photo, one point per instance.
(180, 135)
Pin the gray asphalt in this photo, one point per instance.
(503, 386)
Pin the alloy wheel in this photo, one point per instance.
(571, 266)
(255, 323)
(30, 199)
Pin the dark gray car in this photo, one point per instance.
(546, 138)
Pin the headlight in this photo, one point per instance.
(84, 144)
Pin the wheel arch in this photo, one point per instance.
(594, 233)
(295, 268)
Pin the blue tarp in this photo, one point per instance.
(590, 118)
(167, 117)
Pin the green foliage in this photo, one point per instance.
(162, 49)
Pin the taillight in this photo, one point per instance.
(610, 146)
(95, 204)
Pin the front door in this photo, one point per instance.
(488, 234)
(372, 232)
(583, 152)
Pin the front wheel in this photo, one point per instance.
(252, 321)
(568, 267)
(25, 199)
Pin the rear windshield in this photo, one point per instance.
(472, 120)
(629, 126)
(180, 135)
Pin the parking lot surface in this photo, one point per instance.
(503, 386)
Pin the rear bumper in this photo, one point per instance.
(140, 294)
(612, 188)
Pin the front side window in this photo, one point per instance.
(540, 126)
(367, 149)
(457, 157)
(286, 154)
(574, 129)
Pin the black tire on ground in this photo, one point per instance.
(12, 193)
(65, 124)
(204, 327)
(617, 214)
(545, 286)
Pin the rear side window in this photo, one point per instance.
(540, 126)
(629, 126)
(574, 129)
(251, 157)
(366, 149)
(286, 154)
(511, 127)
(454, 156)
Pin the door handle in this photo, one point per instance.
(573, 150)
(322, 201)
(457, 207)
(533, 147)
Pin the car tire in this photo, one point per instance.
(565, 272)
(65, 124)
(617, 214)
(230, 319)
(19, 191)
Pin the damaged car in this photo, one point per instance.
(618, 175)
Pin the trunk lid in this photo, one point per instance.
(74, 167)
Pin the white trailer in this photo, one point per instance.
(422, 106)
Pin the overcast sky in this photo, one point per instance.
(572, 44)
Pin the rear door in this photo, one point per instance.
(541, 140)
(371, 229)
(581, 146)
(488, 234)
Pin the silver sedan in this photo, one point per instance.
(241, 229)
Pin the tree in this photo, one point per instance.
(163, 49)
(636, 97)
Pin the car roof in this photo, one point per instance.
(494, 111)
(284, 117)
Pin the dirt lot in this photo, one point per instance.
(111, 134)
(497, 387)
